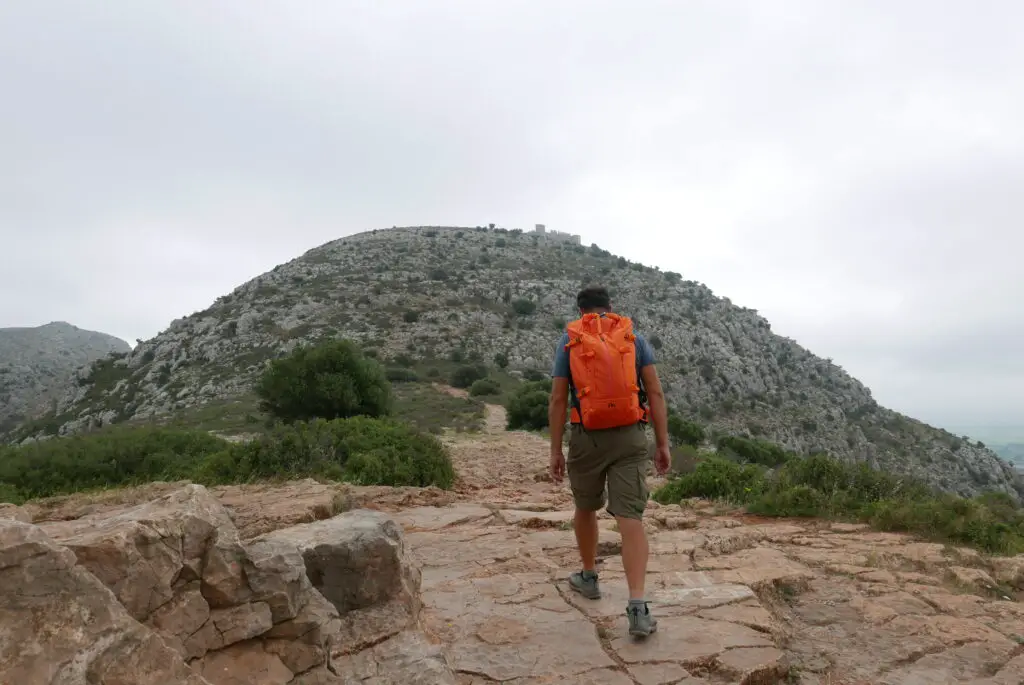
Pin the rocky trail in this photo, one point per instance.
(469, 588)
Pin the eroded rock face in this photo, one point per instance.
(148, 554)
(62, 626)
(173, 592)
(358, 562)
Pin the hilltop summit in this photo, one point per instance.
(37, 364)
(429, 292)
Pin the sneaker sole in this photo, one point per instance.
(588, 595)
(637, 632)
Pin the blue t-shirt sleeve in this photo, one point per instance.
(644, 352)
(560, 368)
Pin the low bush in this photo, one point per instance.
(115, 456)
(485, 386)
(360, 450)
(464, 376)
(527, 407)
(398, 374)
(754, 451)
(821, 486)
(684, 432)
(534, 375)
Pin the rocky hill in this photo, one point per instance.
(430, 292)
(37, 364)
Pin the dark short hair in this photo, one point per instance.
(594, 297)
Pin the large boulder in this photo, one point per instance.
(147, 553)
(62, 626)
(358, 562)
(174, 593)
(177, 564)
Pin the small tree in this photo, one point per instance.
(524, 307)
(485, 386)
(465, 375)
(527, 408)
(501, 360)
(331, 380)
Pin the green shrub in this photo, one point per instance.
(684, 432)
(118, 455)
(714, 478)
(822, 486)
(501, 360)
(527, 408)
(534, 375)
(524, 307)
(330, 380)
(466, 375)
(398, 374)
(754, 451)
(485, 386)
(359, 450)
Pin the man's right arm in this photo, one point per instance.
(557, 407)
(558, 404)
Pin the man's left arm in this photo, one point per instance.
(658, 406)
(656, 398)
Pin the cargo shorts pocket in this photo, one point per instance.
(627, 478)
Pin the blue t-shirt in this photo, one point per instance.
(560, 369)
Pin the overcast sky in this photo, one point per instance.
(853, 170)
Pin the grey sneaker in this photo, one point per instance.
(585, 583)
(641, 622)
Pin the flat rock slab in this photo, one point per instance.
(689, 641)
(512, 627)
(536, 519)
(682, 593)
(436, 518)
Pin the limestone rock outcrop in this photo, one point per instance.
(167, 592)
(60, 625)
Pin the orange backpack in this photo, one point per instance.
(602, 364)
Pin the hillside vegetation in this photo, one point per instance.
(433, 296)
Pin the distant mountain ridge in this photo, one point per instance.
(429, 292)
(37, 365)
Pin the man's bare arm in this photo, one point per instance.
(557, 406)
(656, 397)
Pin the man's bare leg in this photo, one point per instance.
(634, 554)
(585, 526)
(634, 561)
(585, 581)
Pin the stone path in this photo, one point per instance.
(740, 600)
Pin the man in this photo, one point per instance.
(608, 441)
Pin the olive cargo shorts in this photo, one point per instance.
(616, 457)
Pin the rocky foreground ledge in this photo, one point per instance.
(165, 593)
(264, 585)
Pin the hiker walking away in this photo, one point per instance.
(608, 374)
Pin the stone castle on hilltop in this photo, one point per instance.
(555, 236)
